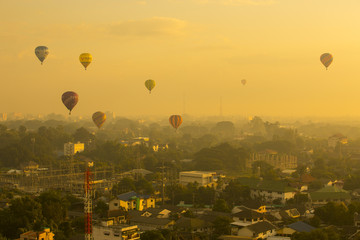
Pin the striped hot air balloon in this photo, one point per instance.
(175, 121)
(70, 99)
(99, 119)
(326, 59)
(41, 52)
(85, 59)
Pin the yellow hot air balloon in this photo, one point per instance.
(326, 59)
(150, 84)
(243, 82)
(85, 59)
(99, 118)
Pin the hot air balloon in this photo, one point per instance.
(150, 84)
(70, 99)
(85, 59)
(41, 53)
(99, 118)
(243, 81)
(326, 59)
(175, 121)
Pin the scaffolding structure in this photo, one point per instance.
(69, 177)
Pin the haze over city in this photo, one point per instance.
(196, 51)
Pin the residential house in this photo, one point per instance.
(131, 201)
(329, 194)
(108, 231)
(147, 221)
(290, 229)
(248, 216)
(193, 226)
(259, 230)
(46, 234)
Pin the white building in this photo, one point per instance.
(108, 231)
(202, 178)
(71, 149)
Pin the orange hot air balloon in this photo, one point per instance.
(99, 119)
(175, 121)
(70, 99)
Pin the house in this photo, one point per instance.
(118, 216)
(336, 139)
(131, 201)
(193, 225)
(329, 194)
(146, 221)
(259, 230)
(248, 216)
(293, 228)
(108, 231)
(46, 234)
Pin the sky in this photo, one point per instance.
(197, 51)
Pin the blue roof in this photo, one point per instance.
(301, 227)
(127, 196)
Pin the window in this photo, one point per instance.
(115, 204)
(107, 233)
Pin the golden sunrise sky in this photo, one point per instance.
(197, 50)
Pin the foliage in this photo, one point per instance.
(221, 206)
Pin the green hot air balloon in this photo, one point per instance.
(150, 84)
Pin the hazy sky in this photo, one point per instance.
(195, 50)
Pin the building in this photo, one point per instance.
(329, 194)
(71, 149)
(132, 201)
(46, 234)
(280, 161)
(336, 139)
(150, 220)
(108, 231)
(268, 190)
(202, 178)
(248, 216)
(295, 227)
(259, 230)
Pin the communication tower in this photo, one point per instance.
(88, 202)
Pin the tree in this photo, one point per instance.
(101, 209)
(222, 226)
(152, 235)
(221, 206)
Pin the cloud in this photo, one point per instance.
(156, 26)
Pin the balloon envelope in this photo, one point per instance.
(70, 99)
(99, 119)
(326, 59)
(85, 59)
(150, 84)
(41, 52)
(175, 121)
(243, 81)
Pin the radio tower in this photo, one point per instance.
(88, 202)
